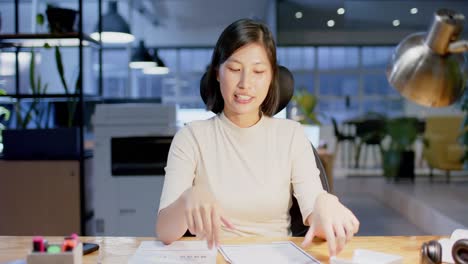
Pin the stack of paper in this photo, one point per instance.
(179, 252)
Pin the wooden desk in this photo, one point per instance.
(119, 249)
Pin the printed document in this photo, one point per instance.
(179, 252)
(276, 252)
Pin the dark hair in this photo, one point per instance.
(235, 36)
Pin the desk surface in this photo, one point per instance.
(120, 249)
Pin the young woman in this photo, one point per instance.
(234, 174)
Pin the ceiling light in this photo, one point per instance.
(299, 15)
(414, 10)
(141, 58)
(331, 23)
(156, 70)
(114, 27)
(396, 23)
(160, 67)
(340, 11)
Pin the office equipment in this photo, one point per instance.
(132, 143)
(183, 252)
(276, 252)
(446, 250)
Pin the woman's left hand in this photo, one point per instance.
(333, 221)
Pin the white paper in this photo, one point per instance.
(363, 256)
(447, 244)
(277, 252)
(179, 252)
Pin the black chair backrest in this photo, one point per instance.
(286, 91)
(335, 127)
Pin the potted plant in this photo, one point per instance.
(34, 138)
(398, 155)
(4, 115)
(306, 103)
(42, 141)
(61, 20)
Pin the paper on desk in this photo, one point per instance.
(276, 252)
(179, 252)
(447, 244)
(363, 256)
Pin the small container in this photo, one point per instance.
(70, 257)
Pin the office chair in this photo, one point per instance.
(370, 132)
(340, 139)
(286, 87)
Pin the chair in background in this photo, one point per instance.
(370, 133)
(441, 149)
(341, 139)
(286, 87)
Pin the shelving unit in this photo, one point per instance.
(20, 41)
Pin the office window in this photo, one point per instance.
(339, 84)
(169, 57)
(376, 57)
(304, 81)
(338, 58)
(348, 81)
(297, 58)
(377, 84)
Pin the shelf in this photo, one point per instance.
(38, 40)
(59, 95)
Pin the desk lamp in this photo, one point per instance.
(429, 69)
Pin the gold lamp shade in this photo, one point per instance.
(428, 68)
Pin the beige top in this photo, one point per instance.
(250, 170)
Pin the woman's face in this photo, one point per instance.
(244, 79)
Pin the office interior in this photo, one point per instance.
(86, 132)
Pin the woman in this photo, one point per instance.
(232, 175)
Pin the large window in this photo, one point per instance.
(348, 81)
(180, 86)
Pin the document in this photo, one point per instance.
(179, 252)
(276, 252)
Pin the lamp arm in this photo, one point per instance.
(459, 46)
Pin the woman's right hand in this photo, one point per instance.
(203, 215)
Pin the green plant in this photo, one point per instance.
(6, 115)
(71, 101)
(306, 102)
(35, 111)
(402, 133)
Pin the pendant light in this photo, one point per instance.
(114, 28)
(160, 68)
(141, 58)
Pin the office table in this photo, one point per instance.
(119, 249)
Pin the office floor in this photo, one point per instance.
(405, 208)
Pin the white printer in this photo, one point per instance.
(131, 146)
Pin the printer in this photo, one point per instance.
(132, 141)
